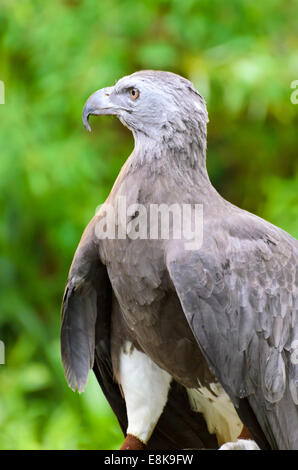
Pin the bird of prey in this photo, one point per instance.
(190, 342)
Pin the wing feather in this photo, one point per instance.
(241, 303)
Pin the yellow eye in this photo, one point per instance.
(134, 93)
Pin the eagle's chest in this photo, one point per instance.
(152, 313)
(136, 270)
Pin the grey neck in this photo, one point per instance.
(177, 155)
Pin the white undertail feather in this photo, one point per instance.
(145, 387)
(218, 411)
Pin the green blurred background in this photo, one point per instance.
(241, 55)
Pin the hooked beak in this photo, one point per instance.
(97, 104)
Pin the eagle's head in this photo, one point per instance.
(158, 106)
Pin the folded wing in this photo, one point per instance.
(239, 295)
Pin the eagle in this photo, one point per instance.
(192, 336)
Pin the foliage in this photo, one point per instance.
(242, 56)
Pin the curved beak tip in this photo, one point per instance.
(86, 121)
(87, 126)
(97, 104)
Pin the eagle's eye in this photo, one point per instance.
(134, 93)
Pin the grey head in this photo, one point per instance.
(162, 109)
